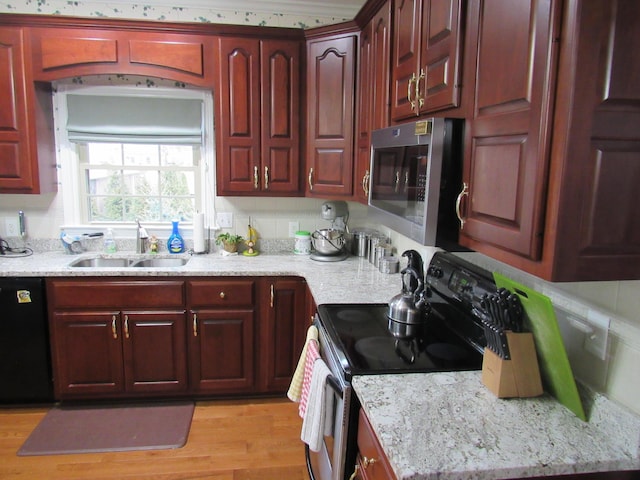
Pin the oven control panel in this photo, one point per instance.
(458, 280)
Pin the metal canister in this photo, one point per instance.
(360, 242)
(382, 250)
(389, 264)
(374, 240)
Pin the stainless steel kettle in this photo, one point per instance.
(410, 306)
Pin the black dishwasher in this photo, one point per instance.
(25, 359)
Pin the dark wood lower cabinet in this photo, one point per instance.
(282, 331)
(102, 353)
(221, 351)
(197, 337)
(155, 357)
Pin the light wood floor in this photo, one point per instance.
(228, 440)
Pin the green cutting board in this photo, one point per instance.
(540, 320)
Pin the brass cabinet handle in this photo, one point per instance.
(195, 325)
(354, 475)
(272, 290)
(126, 326)
(463, 193)
(256, 178)
(310, 179)
(419, 96)
(413, 79)
(365, 183)
(266, 178)
(114, 326)
(223, 295)
(368, 461)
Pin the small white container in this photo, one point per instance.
(302, 245)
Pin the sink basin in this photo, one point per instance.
(160, 262)
(128, 262)
(98, 262)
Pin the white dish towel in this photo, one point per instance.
(318, 418)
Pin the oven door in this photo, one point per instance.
(337, 453)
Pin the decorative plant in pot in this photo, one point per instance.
(229, 241)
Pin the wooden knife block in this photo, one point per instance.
(517, 377)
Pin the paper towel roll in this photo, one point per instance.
(198, 233)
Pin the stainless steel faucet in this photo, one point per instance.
(141, 239)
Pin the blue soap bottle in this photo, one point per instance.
(175, 244)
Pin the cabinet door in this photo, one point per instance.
(596, 156)
(238, 116)
(330, 106)
(507, 138)
(87, 353)
(280, 116)
(221, 350)
(27, 150)
(407, 20)
(440, 54)
(15, 165)
(154, 348)
(364, 120)
(373, 96)
(282, 331)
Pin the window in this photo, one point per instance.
(152, 183)
(130, 154)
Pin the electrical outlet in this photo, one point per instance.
(293, 228)
(224, 220)
(11, 227)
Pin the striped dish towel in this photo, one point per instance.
(295, 388)
(312, 355)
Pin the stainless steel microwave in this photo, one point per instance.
(416, 176)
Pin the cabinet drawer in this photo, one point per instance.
(373, 462)
(221, 293)
(116, 294)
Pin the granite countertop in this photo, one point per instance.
(451, 427)
(353, 280)
(431, 426)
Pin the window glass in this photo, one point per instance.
(128, 182)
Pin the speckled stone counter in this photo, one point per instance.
(448, 426)
(432, 426)
(353, 280)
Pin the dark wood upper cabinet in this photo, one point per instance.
(426, 59)
(551, 151)
(374, 63)
(258, 121)
(593, 220)
(27, 151)
(331, 63)
(507, 136)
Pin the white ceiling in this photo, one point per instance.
(323, 8)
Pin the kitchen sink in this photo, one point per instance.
(128, 262)
(160, 262)
(101, 262)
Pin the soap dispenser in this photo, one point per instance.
(109, 242)
(175, 244)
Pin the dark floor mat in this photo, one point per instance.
(90, 429)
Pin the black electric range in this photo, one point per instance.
(450, 338)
